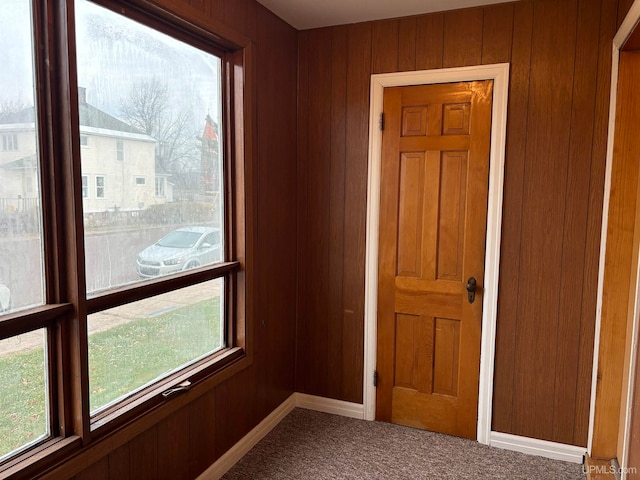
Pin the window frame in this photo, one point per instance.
(138, 183)
(64, 314)
(10, 142)
(101, 190)
(119, 149)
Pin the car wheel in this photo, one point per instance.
(192, 264)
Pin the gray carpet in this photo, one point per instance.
(313, 445)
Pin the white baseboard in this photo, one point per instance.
(330, 405)
(541, 448)
(246, 443)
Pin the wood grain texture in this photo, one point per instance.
(618, 259)
(512, 217)
(554, 178)
(385, 46)
(549, 125)
(462, 38)
(572, 286)
(337, 168)
(497, 33)
(429, 41)
(594, 220)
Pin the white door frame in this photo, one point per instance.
(626, 29)
(499, 73)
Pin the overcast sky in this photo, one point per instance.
(113, 53)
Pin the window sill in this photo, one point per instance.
(35, 460)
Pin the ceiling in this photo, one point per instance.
(305, 14)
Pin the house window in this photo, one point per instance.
(10, 142)
(141, 181)
(85, 186)
(159, 187)
(100, 186)
(75, 369)
(119, 150)
(84, 140)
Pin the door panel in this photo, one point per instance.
(433, 202)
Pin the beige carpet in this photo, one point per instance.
(313, 445)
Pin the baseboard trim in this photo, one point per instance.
(246, 443)
(541, 448)
(330, 405)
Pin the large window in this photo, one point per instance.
(115, 289)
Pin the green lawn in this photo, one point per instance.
(121, 359)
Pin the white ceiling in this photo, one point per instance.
(305, 14)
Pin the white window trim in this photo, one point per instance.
(104, 186)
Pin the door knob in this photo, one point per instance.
(471, 289)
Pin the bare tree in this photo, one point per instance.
(147, 108)
(9, 108)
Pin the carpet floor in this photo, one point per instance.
(314, 445)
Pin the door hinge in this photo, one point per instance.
(375, 378)
(382, 121)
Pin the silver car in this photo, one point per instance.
(181, 249)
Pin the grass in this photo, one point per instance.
(121, 359)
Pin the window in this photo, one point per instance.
(85, 186)
(109, 301)
(159, 187)
(100, 186)
(120, 150)
(9, 142)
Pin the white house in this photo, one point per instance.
(118, 163)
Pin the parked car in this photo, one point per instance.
(181, 249)
(5, 298)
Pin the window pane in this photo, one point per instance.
(135, 344)
(21, 266)
(23, 402)
(155, 150)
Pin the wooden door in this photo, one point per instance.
(433, 210)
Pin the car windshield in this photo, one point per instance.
(180, 239)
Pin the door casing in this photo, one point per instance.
(499, 73)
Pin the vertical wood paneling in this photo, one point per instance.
(497, 33)
(235, 14)
(385, 46)
(214, 9)
(173, 446)
(98, 471)
(623, 8)
(575, 226)
(634, 440)
(318, 213)
(143, 455)
(119, 463)
(429, 41)
(336, 209)
(594, 220)
(358, 75)
(202, 433)
(549, 124)
(462, 38)
(554, 173)
(303, 273)
(407, 30)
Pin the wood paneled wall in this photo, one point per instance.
(560, 55)
(184, 444)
